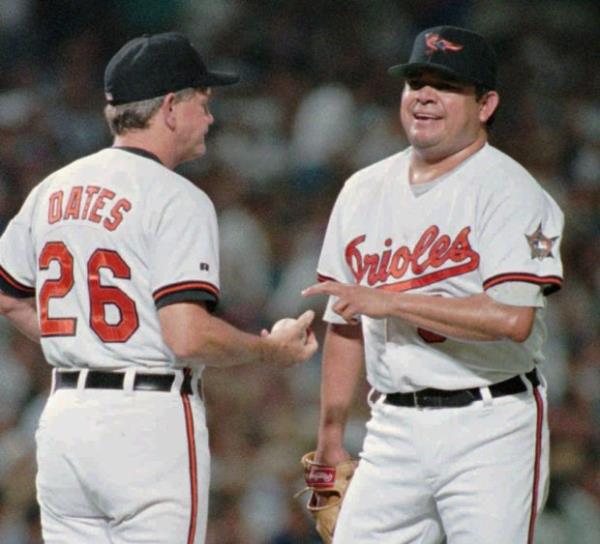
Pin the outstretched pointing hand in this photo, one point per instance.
(353, 300)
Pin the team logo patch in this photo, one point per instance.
(540, 245)
(435, 42)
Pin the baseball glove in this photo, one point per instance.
(327, 485)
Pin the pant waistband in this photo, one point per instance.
(101, 379)
(440, 398)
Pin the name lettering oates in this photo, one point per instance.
(432, 251)
(88, 204)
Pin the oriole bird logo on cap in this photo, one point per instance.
(435, 42)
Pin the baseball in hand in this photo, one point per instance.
(286, 322)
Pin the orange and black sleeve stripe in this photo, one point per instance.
(549, 284)
(322, 278)
(187, 291)
(14, 288)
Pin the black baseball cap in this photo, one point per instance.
(456, 52)
(154, 65)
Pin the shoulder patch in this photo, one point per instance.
(540, 245)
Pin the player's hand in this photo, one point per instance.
(353, 300)
(327, 484)
(331, 456)
(292, 340)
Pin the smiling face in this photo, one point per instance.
(442, 116)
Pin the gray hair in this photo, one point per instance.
(137, 115)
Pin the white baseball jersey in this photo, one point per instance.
(486, 223)
(103, 243)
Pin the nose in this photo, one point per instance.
(425, 94)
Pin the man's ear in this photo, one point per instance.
(488, 104)
(168, 111)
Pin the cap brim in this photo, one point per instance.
(415, 68)
(219, 79)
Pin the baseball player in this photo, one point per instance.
(437, 261)
(121, 255)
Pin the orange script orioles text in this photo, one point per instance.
(87, 203)
(431, 251)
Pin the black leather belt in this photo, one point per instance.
(440, 398)
(99, 379)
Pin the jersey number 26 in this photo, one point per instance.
(99, 295)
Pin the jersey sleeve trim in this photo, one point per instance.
(550, 284)
(187, 291)
(13, 287)
(322, 278)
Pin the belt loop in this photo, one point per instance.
(81, 379)
(196, 385)
(527, 383)
(178, 381)
(486, 396)
(128, 381)
(53, 383)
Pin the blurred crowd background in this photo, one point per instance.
(315, 104)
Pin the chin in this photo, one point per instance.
(192, 156)
(423, 142)
(198, 152)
